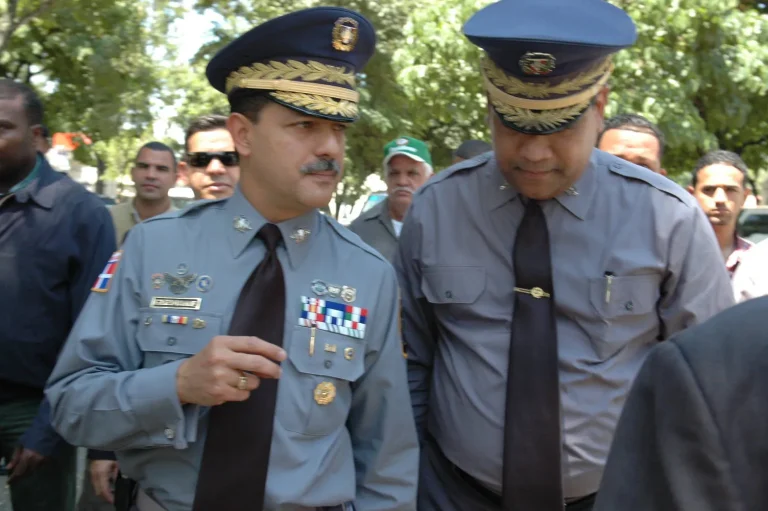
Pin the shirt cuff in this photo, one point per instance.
(158, 409)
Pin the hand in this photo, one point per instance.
(24, 462)
(103, 473)
(211, 377)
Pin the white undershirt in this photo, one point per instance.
(397, 226)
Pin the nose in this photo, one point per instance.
(215, 167)
(535, 149)
(330, 145)
(720, 195)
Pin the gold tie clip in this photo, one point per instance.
(536, 292)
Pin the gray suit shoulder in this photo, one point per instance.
(353, 239)
(633, 172)
(453, 172)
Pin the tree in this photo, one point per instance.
(91, 60)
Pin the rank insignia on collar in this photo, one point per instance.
(300, 235)
(241, 224)
(333, 317)
(179, 285)
(104, 279)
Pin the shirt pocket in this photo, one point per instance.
(171, 335)
(315, 390)
(452, 289)
(627, 313)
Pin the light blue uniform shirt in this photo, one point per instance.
(114, 387)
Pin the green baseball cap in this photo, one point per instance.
(407, 146)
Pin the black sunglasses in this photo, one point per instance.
(227, 158)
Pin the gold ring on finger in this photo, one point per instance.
(242, 383)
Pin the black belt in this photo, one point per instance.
(494, 497)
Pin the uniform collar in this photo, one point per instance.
(243, 222)
(577, 199)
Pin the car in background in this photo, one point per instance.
(752, 224)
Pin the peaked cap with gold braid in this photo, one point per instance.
(305, 60)
(546, 60)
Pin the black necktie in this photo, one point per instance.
(233, 473)
(532, 478)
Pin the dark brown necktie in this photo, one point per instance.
(532, 478)
(233, 473)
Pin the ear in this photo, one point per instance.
(240, 127)
(690, 189)
(601, 101)
(183, 169)
(663, 172)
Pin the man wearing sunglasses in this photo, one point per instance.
(211, 165)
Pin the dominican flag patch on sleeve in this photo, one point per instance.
(105, 278)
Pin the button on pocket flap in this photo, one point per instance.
(622, 296)
(177, 331)
(453, 284)
(333, 355)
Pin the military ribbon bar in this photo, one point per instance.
(333, 317)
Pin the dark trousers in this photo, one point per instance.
(51, 487)
(442, 487)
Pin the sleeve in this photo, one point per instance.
(380, 422)
(667, 454)
(102, 397)
(697, 286)
(94, 235)
(749, 279)
(418, 324)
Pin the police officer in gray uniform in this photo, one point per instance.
(254, 317)
(535, 279)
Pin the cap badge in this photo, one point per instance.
(537, 64)
(402, 141)
(345, 34)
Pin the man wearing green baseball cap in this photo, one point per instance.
(407, 165)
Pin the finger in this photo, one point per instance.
(15, 459)
(101, 487)
(19, 470)
(256, 364)
(256, 346)
(246, 381)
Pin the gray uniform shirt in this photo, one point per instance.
(114, 387)
(375, 228)
(457, 278)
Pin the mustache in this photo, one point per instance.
(403, 189)
(321, 166)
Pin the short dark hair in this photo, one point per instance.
(157, 146)
(723, 158)
(471, 148)
(635, 122)
(209, 122)
(33, 107)
(248, 102)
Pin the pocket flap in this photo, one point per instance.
(453, 284)
(334, 355)
(177, 331)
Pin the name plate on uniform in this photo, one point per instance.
(160, 302)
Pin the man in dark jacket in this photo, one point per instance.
(692, 434)
(55, 237)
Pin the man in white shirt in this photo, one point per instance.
(407, 165)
